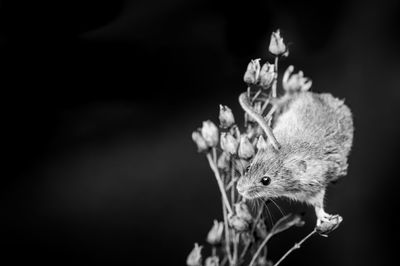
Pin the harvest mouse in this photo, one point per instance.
(306, 149)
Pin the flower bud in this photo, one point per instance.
(267, 74)
(261, 229)
(228, 143)
(252, 72)
(243, 212)
(295, 82)
(194, 258)
(200, 142)
(226, 118)
(237, 223)
(215, 235)
(276, 45)
(246, 149)
(223, 161)
(209, 131)
(212, 261)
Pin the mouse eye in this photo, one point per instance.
(266, 180)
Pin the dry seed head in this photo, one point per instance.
(215, 235)
(242, 211)
(237, 223)
(267, 75)
(226, 117)
(253, 71)
(212, 261)
(246, 149)
(194, 258)
(223, 161)
(276, 45)
(200, 141)
(209, 131)
(229, 143)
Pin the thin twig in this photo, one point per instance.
(276, 78)
(219, 181)
(224, 261)
(246, 247)
(226, 229)
(235, 248)
(260, 249)
(296, 246)
(265, 104)
(256, 95)
(233, 180)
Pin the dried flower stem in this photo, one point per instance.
(235, 248)
(224, 261)
(275, 79)
(260, 248)
(226, 229)
(256, 95)
(246, 247)
(214, 168)
(296, 246)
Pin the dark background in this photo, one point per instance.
(99, 101)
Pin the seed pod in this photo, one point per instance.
(223, 161)
(253, 71)
(209, 131)
(194, 258)
(276, 45)
(267, 75)
(200, 141)
(229, 143)
(226, 118)
(215, 235)
(212, 261)
(261, 229)
(242, 211)
(237, 223)
(246, 149)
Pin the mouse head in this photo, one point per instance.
(272, 173)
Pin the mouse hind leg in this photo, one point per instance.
(326, 223)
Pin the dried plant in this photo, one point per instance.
(242, 237)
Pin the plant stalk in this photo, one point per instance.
(296, 246)
(214, 168)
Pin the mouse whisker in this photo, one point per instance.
(271, 220)
(279, 208)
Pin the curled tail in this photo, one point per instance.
(244, 102)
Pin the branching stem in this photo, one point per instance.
(276, 78)
(260, 248)
(296, 246)
(214, 168)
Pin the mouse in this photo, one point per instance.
(307, 148)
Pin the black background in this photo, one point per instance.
(99, 100)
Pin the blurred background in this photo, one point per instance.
(100, 98)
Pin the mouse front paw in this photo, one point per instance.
(327, 223)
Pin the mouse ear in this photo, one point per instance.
(261, 143)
